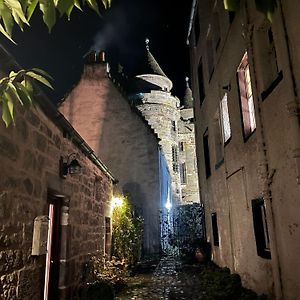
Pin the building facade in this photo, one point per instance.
(51, 222)
(245, 80)
(101, 113)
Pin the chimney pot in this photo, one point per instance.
(102, 56)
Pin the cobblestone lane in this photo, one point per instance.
(173, 280)
(169, 281)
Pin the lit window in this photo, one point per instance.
(225, 122)
(246, 97)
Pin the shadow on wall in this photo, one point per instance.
(133, 191)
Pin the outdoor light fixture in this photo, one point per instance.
(72, 166)
(117, 202)
(168, 205)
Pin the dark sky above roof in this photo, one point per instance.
(121, 31)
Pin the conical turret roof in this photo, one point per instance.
(149, 64)
(188, 97)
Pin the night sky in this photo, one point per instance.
(121, 31)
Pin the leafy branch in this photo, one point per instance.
(20, 12)
(17, 88)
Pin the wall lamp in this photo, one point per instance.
(72, 166)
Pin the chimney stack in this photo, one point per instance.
(95, 57)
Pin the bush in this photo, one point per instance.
(127, 231)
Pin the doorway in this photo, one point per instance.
(53, 248)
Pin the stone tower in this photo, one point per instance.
(151, 95)
(187, 150)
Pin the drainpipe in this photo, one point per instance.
(293, 107)
(265, 173)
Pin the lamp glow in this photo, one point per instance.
(117, 202)
(168, 205)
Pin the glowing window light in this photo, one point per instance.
(117, 202)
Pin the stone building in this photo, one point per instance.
(150, 92)
(101, 113)
(245, 81)
(187, 151)
(36, 192)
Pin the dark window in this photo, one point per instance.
(231, 15)
(271, 75)
(214, 223)
(218, 141)
(196, 26)
(175, 158)
(173, 124)
(107, 235)
(210, 57)
(183, 173)
(181, 146)
(206, 154)
(261, 228)
(246, 97)
(201, 82)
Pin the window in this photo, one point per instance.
(210, 57)
(231, 15)
(181, 146)
(271, 75)
(246, 97)
(206, 154)
(261, 228)
(183, 173)
(173, 124)
(225, 122)
(201, 82)
(218, 141)
(107, 235)
(175, 158)
(215, 231)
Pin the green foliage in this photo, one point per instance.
(111, 271)
(17, 88)
(20, 12)
(127, 233)
(266, 7)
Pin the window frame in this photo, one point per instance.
(225, 141)
(206, 153)
(244, 97)
(260, 227)
(215, 229)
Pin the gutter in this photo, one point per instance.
(194, 4)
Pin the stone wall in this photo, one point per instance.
(29, 157)
(187, 156)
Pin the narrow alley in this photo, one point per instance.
(173, 279)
